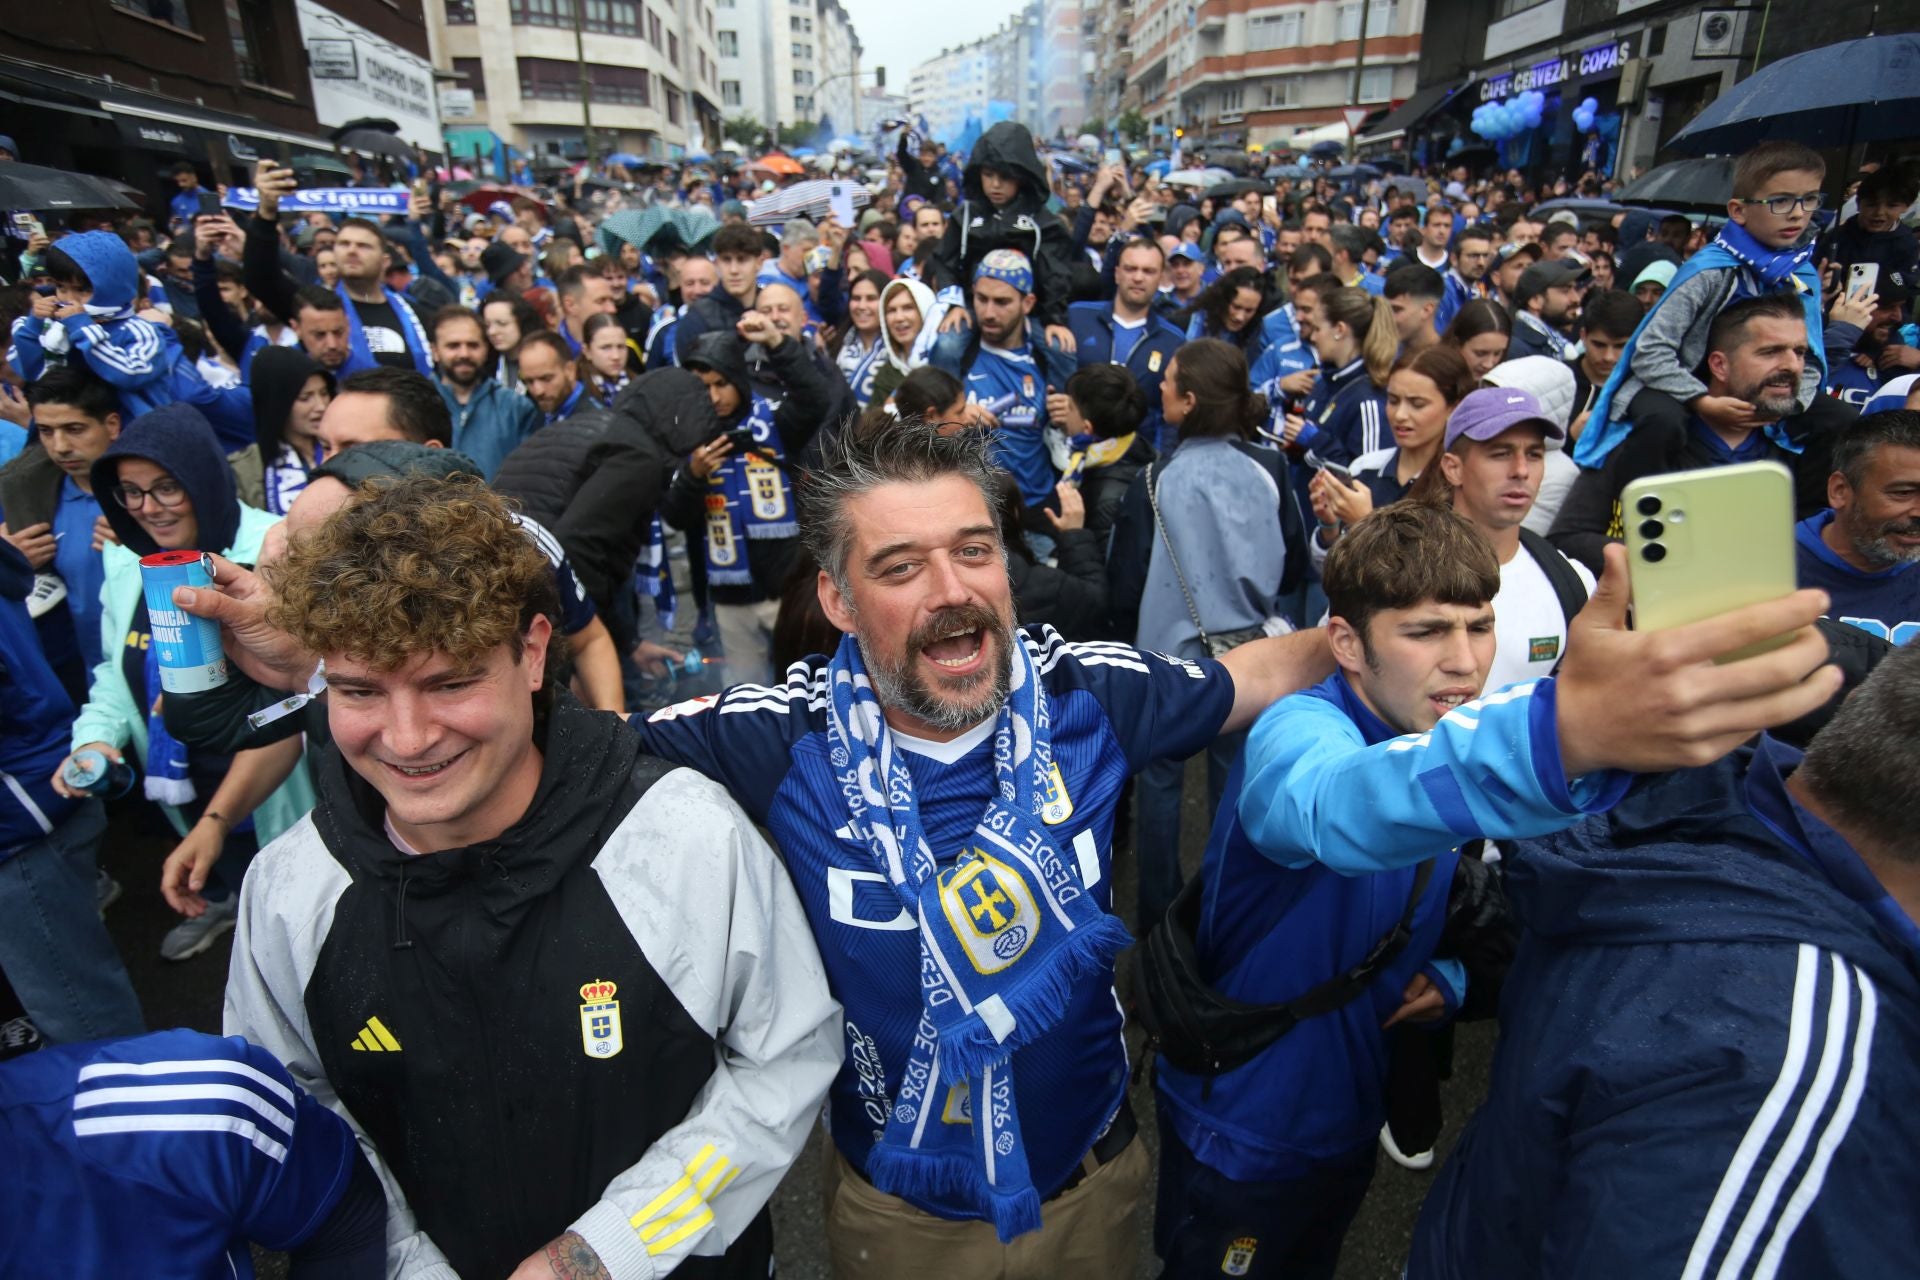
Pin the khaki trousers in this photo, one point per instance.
(1091, 1231)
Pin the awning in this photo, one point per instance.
(1422, 104)
(161, 129)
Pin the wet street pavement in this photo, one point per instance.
(189, 994)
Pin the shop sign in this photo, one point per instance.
(1601, 60)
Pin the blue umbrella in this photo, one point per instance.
(1327, 149)
(626, 158)
(1158, 168)
(1350, 171)
(1865, 90)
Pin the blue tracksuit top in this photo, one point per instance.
(36, 718)
(1346, 414)
(1708, 1051)
(1092, 326)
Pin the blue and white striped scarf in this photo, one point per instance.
(1005, 932)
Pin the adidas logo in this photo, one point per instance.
(375, 1038)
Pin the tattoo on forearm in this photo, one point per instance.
(572, 1258)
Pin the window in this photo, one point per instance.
(728, 42)
(459, 13)
(802, 77)
(1274, 30)
(729, 93)
(476, 76)
(606, 17)
(800, 25)
(256, 46)
(1382, 17)
(673, 48)
(1657, 41)
(1280, 93)
(553, 80)
(802, 106)
(804, 52)
(1376, 84)
(672, 96)
(171, 12)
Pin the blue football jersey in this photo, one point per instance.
(160, 1157)
(1114, 709)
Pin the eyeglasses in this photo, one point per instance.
(166, 493)
(1781, 206)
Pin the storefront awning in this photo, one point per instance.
(159, 129)
(1410, 113)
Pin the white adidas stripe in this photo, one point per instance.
(141, 1094)
(96, 1125)
(1830, 1138)
(185, 1066)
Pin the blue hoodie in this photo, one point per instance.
(35, 715)
(1708, 1051)
(178, 439)
(139, 359)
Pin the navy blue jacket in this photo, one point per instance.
(35, 717)
(1092, 327)
(1707, 1056)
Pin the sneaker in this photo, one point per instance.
(18, 1036)
(1422, 1160)
(106, 891)
(190, 937)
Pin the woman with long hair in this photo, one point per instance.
(1345, 414)
(506, 320)
(1421, 393)
(1208, 542)
(1480, 332)
(862, 352)
(607, 360)
(1231, 309)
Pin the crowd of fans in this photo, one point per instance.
(1070, 475)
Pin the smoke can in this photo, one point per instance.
(188, 648)
(93, 772)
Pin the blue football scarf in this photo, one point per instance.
(1005, 933)
(865, 370)
(748, 497)
(655, 576)
(359, 356)
(1735, 250)
(166, 781)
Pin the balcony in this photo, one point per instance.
(1213, 18)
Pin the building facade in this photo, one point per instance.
(836, 95)
(1649, 65)
(1253, 71)
(789, 62)
(653, 76)
(945, 90)
(129, 88)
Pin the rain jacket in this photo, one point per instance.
(1707, 1048)
(978, 226)
(557, 1029)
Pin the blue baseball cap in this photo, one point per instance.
(1191, 252)
(1492, 411)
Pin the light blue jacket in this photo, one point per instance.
(111, 714)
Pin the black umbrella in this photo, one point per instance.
(1326, 150)
(1683, 184)
(375, 135)
(1238, 187)
(36, 187)
(1864, 90)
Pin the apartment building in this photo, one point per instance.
(653, 75)
(788, 62)
(1244, 71)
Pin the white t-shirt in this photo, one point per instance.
(1529, 627)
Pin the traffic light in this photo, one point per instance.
(879, 77)
(1178, 132)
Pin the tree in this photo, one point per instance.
(743, 130)
(1132, 126)
(798, 134)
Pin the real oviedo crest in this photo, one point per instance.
(600, 1019)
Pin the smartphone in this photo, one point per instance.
(1702, 542)
(1113, 156)
(1863, 275)
(1338, 472)
(209, 202)
(741, 438)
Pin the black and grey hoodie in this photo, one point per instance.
(611, 1019)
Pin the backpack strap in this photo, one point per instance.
(1566, 584)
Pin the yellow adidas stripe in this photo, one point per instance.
(385, 1036)
(364, 1041)
(693, 1203)
(693, 1225)
(660, 1201)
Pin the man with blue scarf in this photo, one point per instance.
(943, 791)
(735, 501)
(1766, 249)
(382, 327)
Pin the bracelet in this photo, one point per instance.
(225, 822)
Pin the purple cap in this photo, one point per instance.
(1491, 411)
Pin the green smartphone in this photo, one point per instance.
(1700, 543)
